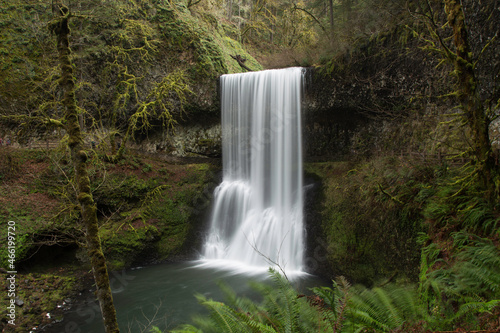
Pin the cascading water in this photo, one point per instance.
(257, 213)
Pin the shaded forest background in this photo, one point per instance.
(405, 184)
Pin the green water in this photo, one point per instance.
(160, 295)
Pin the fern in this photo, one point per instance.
(242, 304)
(479, 267)
(281, 310)
(384, 309)
(476, 307)
(466, 287)
(288, 310)
(335, 303)
(228, 319)
(186, 329)
(478, 216)
(429, 258)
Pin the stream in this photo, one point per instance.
(163, 296)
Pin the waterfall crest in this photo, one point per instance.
(257, 218)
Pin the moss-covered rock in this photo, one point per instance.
(40, 298)
(144, 205)
(187, 141)
(158, 215)
(371, 216)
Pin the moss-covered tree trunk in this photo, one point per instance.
(60, 28)
(473, 108)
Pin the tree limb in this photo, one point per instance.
(312, 16)
(389, 195)
(241, 62)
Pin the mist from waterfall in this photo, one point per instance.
(257, 216)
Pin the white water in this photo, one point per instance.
(257, 215)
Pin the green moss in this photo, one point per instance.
(122, 243)
(356, 217)
(19, 37)
(23, 243)
(175, 211)
(190, 37)
(156, 215)
(173, 221)
(118, 190)
(41, 294)
(202, 41)
(118, 49)
(233, 47)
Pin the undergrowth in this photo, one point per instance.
(463, 296)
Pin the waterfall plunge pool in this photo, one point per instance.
(163, 296)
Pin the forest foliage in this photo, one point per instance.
(134, 65)
(450, 212)
(149, 64)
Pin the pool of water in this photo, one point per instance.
(162, 296)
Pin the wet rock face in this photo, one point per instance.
(375, 86)
(338, 111)
(328, 134)
(197, 140)
(190, 140)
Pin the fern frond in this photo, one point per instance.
(286, 302)
(242, 304)
(335, 303)
(470, 285)
(364, 320)
(478, 216)
(185, 329)
(476, 307)
(384, 308)
(479, 266)
(429, 257)
(226, 318)
(155, 330)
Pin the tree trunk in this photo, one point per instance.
(474, 110)
(60, 28)
(330, 14)
(347, 4)
(229, 10)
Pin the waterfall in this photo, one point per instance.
(256, 220)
